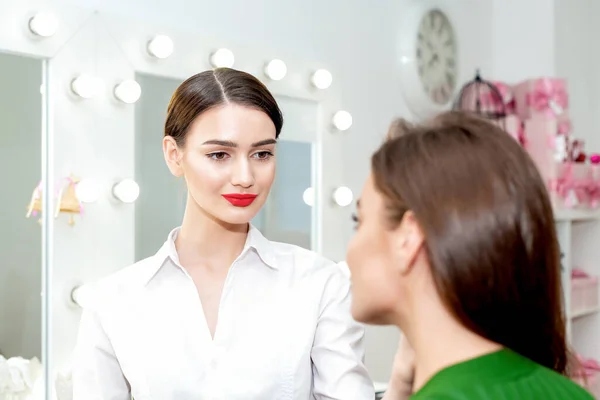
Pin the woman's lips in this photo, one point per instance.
(239, 199)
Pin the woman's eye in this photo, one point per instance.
(263, 155)
(218, 156)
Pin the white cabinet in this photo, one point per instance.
(579, 236)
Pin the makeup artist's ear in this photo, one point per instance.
(172, 155)
(408, 239)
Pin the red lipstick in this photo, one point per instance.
(239, 199)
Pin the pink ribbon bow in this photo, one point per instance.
(548, 94)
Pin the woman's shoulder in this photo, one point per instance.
(561, 385)
(501, 375)
(306, 261)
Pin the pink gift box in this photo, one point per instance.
(584, 294)
(543, 143)
(569, 187)
(567, 182)
(541, 96)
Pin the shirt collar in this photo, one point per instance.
(255, 241)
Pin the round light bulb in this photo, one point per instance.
(222, 58)
(126, 190)
(321, 79)
(86, 86)
(276, 70)
(128, 91)
(44, 24)
(87, 191)
(309, 196)
(80, 295)
(161, 46)
(342, 120)
(342, 196)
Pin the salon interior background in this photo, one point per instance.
(507, 39)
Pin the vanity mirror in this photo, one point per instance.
(110, 84)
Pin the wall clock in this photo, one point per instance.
(428, 60)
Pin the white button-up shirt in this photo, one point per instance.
(284, 332)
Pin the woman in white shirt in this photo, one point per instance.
(220, 312)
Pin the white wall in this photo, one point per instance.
(523, 39)
(578, 60)
(355, 37)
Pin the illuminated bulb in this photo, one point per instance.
(126, 190)
(342, 196)
(309, 196)
(222, 58)
(161, 46)
(87, 191)
(276, 70)
(342, 120)
(128, 91)
(86, 86)
(44, 24)
(321, 79)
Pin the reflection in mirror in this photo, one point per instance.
(20, 237)
(287, 215)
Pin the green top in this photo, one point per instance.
(502, 375)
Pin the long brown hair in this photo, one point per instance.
(488, 225)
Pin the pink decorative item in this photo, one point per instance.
(490, 101)
(569, 187)
(568, 183)
(576, 151)
(541, 96)
(564, 125)
(594, 182)
(584, 294)
(544, 144)
(548, 150)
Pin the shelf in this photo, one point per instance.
(584, 312)
(566, 215)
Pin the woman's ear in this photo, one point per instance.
(173, 156)
(407, 239)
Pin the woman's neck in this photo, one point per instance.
(440, 341)
(205, 240)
